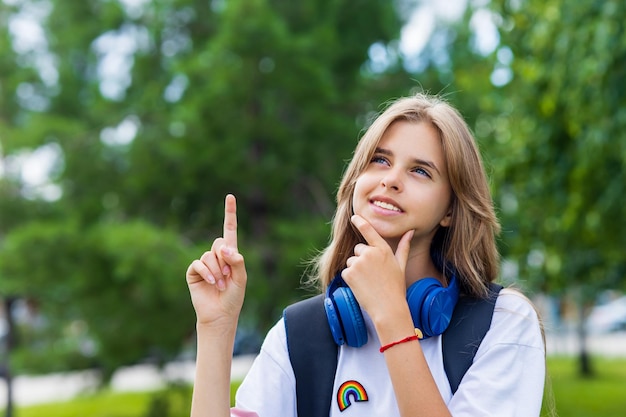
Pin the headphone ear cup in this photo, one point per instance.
(437, 310)
(432, 304)
(351, 318)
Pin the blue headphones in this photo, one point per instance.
(431, 306)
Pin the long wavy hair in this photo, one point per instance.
(468, 244)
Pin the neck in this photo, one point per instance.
(420, 265)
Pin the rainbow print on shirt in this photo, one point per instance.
(348, 392)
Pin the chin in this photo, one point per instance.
(389, 235)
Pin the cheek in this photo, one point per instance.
(365, 183)
(356, 196)
(359, 195)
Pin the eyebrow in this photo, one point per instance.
(415, 161)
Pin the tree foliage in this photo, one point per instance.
(561, 141)
(155, 110)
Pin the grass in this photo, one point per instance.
(574, 396)
(105, 404)
(174, 402)
(602, 395)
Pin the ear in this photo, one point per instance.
(447, 219)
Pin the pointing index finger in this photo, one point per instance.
(230, 221)
(368, 232)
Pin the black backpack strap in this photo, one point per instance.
(313, 355)
(470, 322)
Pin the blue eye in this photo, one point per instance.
(422, 171)
(379, 160)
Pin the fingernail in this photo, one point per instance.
(227, 251)
(221, 285)
(226, 270)
(210, 278)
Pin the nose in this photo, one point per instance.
(392, 180)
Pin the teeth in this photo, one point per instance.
(386, 205)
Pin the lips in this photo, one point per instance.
(386, 204)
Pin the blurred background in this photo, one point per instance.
(123, 124)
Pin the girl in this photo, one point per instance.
(414, 203)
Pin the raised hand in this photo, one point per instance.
(375, 273)
(217, 281)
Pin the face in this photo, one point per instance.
(405, 186)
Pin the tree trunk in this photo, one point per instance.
(8, 347)
(585, 367)
(8, 412)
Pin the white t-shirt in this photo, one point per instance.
(506, 378)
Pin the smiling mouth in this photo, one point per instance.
(386, 206)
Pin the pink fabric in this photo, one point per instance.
(238, 412)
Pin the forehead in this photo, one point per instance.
(414, 137)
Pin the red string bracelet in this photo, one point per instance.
(416, 336)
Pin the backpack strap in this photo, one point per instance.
(313, 355)
(470, 322)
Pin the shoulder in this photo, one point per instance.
(515, 320)
(306, 320)
(273, 358)
(509, 367)
(276, 339)
(513, 301)
(306, 306)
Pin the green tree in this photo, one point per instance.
(106, 293)
(155, 111)
(562, 141)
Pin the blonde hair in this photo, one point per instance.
(468, 243)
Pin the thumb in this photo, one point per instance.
(236, 262)
(402, 252)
